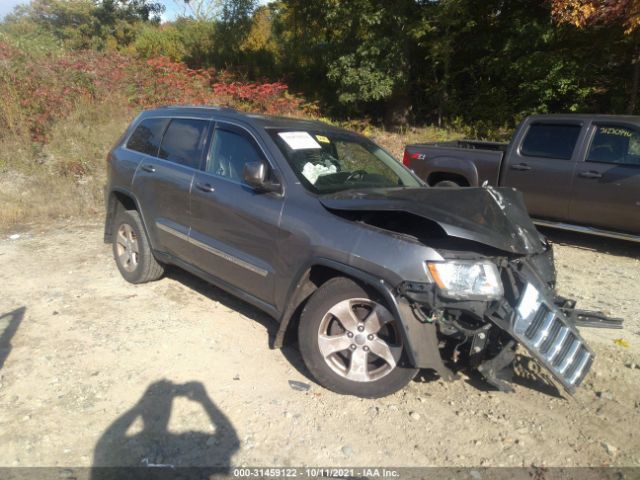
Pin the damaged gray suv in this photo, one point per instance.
(376, 274)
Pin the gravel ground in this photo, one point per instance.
(94, 371)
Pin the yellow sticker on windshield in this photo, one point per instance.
(322, 139)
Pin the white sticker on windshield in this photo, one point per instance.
(299, 140)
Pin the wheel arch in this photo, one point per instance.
(451, 168)
(420, 338)
(312, 277)
(119, 200)
(437, 177)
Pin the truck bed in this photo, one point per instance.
(467, 162)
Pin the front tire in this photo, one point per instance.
(132, 251)
(351, 343)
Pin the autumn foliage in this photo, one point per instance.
(162, 81)
(582, 13)
(38, 91)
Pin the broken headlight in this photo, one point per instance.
(467, 279)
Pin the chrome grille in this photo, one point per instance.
(547, 334)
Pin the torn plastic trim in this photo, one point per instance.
(423, 345)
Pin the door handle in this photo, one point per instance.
(520, 166)
(205, 187)
(590, 174)
(149, 168)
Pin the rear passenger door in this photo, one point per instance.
(606, 189)
(163, 181)
(235, 228)
(542, 166)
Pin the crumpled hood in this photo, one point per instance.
(493, 216)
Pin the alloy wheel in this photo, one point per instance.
(127, 248)
(359, 340)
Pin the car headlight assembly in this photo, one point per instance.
(467, 279)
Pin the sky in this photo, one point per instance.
(7, 5)
(170, 13)
(172, 10)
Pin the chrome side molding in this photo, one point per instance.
(588, 230)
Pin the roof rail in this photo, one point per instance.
(210, 107)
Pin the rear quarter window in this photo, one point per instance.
(550, 141)
(147, 136)
(183, 141)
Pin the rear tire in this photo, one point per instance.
(447, 184)
(132, 251)
(351, 343)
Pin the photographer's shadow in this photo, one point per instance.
(154, 445)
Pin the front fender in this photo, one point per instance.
(419, 338)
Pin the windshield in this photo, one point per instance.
(327, 162)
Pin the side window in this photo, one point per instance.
(229, 152)
(550, 141)
(615, 144)
(147, 136)
(183, 141)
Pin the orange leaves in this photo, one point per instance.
(633, 16)
(576, 12)
(583, 13)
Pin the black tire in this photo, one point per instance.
(447, 184)
(145, 268)
(312, 319)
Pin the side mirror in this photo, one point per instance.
(255, 175)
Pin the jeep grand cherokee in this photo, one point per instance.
(377, 274)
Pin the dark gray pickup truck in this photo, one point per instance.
(577, 172)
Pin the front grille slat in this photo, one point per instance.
(558, 343)
(543, 331)
(551, 337)
(541, 314)
(571, 356)
(580, 358)
(567, 346)
(580, 368)
(584, 372)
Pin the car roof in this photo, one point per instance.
(585, 117)
(256, 119)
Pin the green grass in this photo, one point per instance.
(65, 177)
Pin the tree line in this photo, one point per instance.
(461, 63)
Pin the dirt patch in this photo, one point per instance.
(96, 371)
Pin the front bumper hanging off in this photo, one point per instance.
(547, 329)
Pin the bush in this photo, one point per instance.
(161, 81)
(38, 91)
(164, 41)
